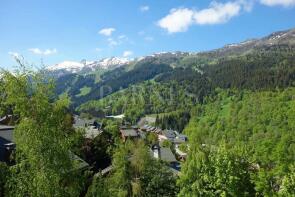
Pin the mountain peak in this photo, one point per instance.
(74, 67)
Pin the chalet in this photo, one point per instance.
(144, 127)
(178, 140)
(124, 127)
(158, 130)
(82, 123)
(92, 127)
(135, 127)
(164, 154)
(142, 135)
(6, 142)
(151, 128)
(92, 132)
(128, 133)
(169, 134)
(181, 137)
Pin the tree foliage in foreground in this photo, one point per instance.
(135, 173)
(216, 171)
(44, 164)
(262, 122)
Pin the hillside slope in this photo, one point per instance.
(264, 63)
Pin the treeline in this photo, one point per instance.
(242, 143)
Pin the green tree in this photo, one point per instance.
(120, 181)
(288, 183)
(211, 172)
(167, 144)
(98, 188)
(4, 176)
(44, 164)
(135, 173)
(158, 180)
(152, 138)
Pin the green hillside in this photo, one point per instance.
(257, 127)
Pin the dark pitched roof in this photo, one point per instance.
(6, 132)
(167, 155)
(169, 133)
(6, 138)
(129, 132)
(81, 123)
(79, 164)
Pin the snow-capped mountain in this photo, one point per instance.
(74, 67)
(67, 65)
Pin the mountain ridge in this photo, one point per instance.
(254, 64)
(286, 37)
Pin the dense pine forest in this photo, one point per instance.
(237, 108)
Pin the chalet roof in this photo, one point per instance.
(169, 133)
(167, 155)
(79, 164)
(134, 127)
(129, 132)
(178, 140)
(80, 122)
(142, 135)
(6, 139)
(92, 132)
(6, 127)
(6, 133)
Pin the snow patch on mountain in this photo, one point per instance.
(70, 66)
(74, 67)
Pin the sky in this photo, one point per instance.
(51, 31)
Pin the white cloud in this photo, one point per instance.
(98, 49)
(179, 20)
(149, 38)
(127, 53)
(123, 37)
(43, 52)
(112, 42)
(285, 3)
(144, 8)
(107, 31)
(14, 54)
(217, 13)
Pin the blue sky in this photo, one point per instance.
(52, 31)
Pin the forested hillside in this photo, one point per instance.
(236, 106)
(179, 88)
(242, 143)
(258, 64)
